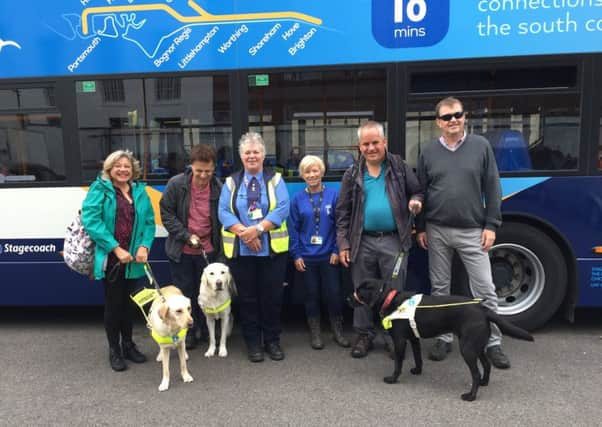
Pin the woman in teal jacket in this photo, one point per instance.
(118, 216)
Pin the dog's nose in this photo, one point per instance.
(219, 285)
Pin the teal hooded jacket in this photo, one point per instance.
(98, 217)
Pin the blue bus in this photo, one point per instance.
(81, 78)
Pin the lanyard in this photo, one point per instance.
(316, 209)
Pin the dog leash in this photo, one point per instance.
(205, 255)
(401, 256)
(152, 280)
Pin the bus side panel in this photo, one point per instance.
(572, 206)
(34, 274)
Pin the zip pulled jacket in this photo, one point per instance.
(401, 185)
(175, 205)
(98, 216)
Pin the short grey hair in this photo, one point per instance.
(371, 125)
(309, 161)
(248, 139)
(114, 157)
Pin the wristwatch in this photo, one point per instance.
(260, 229)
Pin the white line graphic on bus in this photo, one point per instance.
(4, 43)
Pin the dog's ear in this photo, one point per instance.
(163, 311)
(204, 279)
(231, 285)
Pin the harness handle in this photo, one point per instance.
(152, 280)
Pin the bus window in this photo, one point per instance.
(315, 112)
(528, 132)
(158, 119)
(31, 136)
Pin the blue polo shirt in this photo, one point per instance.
(378, 215)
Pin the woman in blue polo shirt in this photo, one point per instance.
(312, 231)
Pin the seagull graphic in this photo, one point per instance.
(8, 43)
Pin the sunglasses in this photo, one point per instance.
(448, 117)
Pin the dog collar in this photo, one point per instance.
(173, 339)
(218, 309)
(387, 302)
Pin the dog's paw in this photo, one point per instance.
(187, 378)
(469, 397)
(390, 380)
(223, 352)
(159, 358)
(484, 382)
(416, 371)
(164, 385)
(210, 352)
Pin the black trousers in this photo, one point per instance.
(186, 275)
(259, 281)
(119, 309)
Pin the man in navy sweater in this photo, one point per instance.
(458, 172)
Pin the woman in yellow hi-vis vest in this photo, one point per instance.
(253, 208)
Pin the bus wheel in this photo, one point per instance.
(530, 275)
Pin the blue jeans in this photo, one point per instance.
(322, 279)
(186, 275)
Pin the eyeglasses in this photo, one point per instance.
(447, 117)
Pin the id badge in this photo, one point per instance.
(316, 240)
(255, 214)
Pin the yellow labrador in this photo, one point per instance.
(169, 320)
(215, 298)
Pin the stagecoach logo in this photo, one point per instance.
(10, 248)
(409, 23)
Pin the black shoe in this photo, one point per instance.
(131, 352)
(274, 351)
(362, 346)
(439, 350)
(116, 360)
(497, 357)
(190, 340)
(255, 354)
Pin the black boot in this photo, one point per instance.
(191, 339)
(131, 352)
(336, 323)
(314, 330)
(116, 359)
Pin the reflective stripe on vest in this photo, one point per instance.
(160, 339)
(278, 236)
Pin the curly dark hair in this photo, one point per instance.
(202, 153)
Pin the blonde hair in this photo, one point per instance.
(309, 161)
(114, 157)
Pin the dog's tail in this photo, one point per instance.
(506, 327)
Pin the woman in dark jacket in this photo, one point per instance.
(189, 213)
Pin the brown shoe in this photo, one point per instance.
(362, 346)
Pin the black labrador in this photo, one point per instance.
(433, 316)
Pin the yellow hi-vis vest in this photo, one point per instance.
(278, 236)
